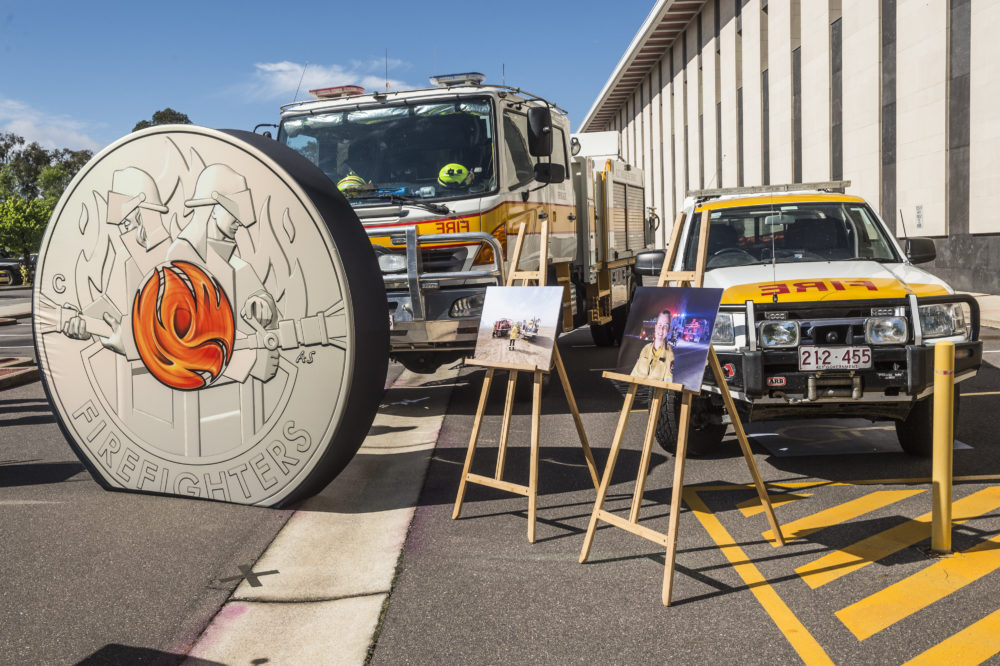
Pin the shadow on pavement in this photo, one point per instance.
(123, 655)
(34, 474)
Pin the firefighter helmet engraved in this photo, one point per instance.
(182, 274)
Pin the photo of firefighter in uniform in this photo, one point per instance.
(656, 360)
(515, 331)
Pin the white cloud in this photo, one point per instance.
(280, 80)
(49, 130)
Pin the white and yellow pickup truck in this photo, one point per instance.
(824, 313)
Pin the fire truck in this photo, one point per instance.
(443, 177)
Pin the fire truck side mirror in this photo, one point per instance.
(539, 131)
(550, 172)
(649, 262)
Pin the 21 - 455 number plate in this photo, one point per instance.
(813, 359)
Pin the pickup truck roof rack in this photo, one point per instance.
(829, 186)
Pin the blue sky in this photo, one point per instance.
(81, 74)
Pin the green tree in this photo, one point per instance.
(22, 224)
(165, 116)
(22, 165)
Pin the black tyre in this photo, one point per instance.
(705, 430)
(603, 334)
(916, 432)
(610, 334)
(524, 392)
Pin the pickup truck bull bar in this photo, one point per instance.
(414, 278)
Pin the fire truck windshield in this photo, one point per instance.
(428, 150)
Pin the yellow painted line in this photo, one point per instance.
(831, 484)
(972, 395)
(842, 562)
(973, 645)
(841, 513)
(900, 600)
(752, 507)
(788, 624)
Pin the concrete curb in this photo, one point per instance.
(15, 314)
(16, 376)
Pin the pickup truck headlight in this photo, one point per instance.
(779, 334)
(943, 320)
(723, 332)
(886, 331)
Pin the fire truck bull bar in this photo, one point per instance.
(417, 322)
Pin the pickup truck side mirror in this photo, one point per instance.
(549, 172)
(920, 250)
(649, 262)
(540, 131)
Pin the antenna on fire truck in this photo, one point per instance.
(299, 87)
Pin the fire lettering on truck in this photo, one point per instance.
(452, 226)
(813, 285)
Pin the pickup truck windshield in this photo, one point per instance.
(401, 150)
(790, 233)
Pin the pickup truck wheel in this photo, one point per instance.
(916, 432)
(704, 432)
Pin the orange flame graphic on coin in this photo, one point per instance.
(183, 326)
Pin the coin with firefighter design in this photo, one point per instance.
(199, 303)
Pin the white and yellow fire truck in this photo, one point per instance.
(824, 313)
(442, 177)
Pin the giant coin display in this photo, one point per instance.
(209, 318)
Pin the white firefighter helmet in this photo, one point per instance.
(220, 184)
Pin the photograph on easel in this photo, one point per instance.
(519, 325)
(668, 333)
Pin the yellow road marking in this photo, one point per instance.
(794, 631)
(841, 513)
(973, 645)
(831, 484)
(842, 562)
(900, 600)
(752, 507)
(969, 395)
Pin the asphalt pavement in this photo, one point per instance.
(473, 590)
(98, 577)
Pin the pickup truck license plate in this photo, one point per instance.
(834, 358)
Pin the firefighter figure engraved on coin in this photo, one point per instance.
(182, 279)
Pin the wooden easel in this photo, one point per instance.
(531, 490)
(669, 539)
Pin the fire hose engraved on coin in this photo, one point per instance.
(169, 346)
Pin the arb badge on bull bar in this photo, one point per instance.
(210, 320)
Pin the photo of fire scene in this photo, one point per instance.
(519, 325)
(668, 333)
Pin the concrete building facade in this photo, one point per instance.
(899, 97)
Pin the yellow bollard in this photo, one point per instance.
(944, 439)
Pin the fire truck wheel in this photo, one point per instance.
(916, 432)
(705, 431)
(603, 334)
